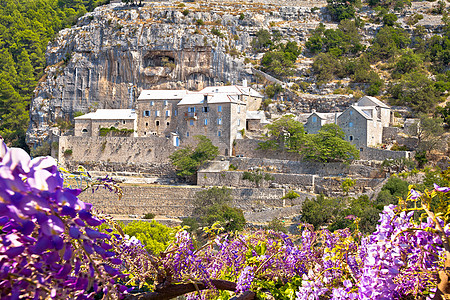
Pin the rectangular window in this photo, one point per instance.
(166, 102)
(191, 122)
(239, 109)
(175, 113)
(239, 122)
(152, 103)
(146, 113)
(219, 133)
(314, 119)
(187, 134)
(219, 108)
(219, 121)
(167, 113)
(206, 122)
(157, 113)
(205, 109)
(191, 109)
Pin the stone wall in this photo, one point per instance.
(358, 168)
(177, 201)
(299, 182)
(382, 154)
(115, 150)
(390, 134)
(248, 148)
(234, 178)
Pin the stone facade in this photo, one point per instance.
(89, 125)
(177, 201)
(157, 111)
(124, 150)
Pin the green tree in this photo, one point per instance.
(284, 133)
(428, 132)
(329, 145)
(262, 40)
(415, 90)
(388, 42)
(389, 19)
(341, 9)
(213, 205)
(188, 160)
(153, 235)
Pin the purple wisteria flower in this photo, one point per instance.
(46, 238)
(441, 189)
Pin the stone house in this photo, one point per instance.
(362, 123)
(89, 124)
(157, 111)
(218, 116)
(217, 112)
(316, 120)
(246, 94)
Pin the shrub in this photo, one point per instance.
(242, 16)
(68, 152)
(149, 216)
(153, 235)
(290, 195)
(185, 12)
(199, 22)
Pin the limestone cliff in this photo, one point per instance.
(117, 50)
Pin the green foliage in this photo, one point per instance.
(185, 12)
(280, 61)
(199, 22)
(68, 152)
(26, 27)
(343, 40)
(428, 132)
(389, 19)
(187, 160)
(284, 133)
(232, 167)
(149, 216)
(77, 114)
(395, 4)
(241, 16)
(154, 236)
(257, 176)
(273, 90)
(321, 211)
(341, 9)
(217, 32)
(347, 184)
(290, 195)
(277, 225)
(388, 42)
(41, 150)
(415, 90)
(212, 205)
(407, 63)
(262, 40)
(113, 131)
(329, 145)
(391, 191)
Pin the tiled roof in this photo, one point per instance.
(374, 100)
(109, 114)
(162, 94)
(232, 90)
(198, 98)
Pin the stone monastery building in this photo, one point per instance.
(221, 113)
(362, 123)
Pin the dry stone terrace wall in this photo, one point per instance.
(299, 182)
(177, 201)
(360, 168)
(116, 150)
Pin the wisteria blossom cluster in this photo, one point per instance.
(50, 246)
(400, 260)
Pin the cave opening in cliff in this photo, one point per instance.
(159, 59)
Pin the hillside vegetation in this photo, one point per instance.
(26, 27)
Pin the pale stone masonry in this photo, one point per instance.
(362, 123)
(89, 124)
(217, 112)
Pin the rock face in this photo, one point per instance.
(116, 51)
